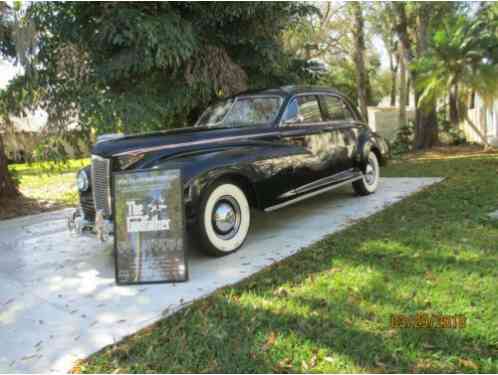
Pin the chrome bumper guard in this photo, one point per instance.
(77, 224)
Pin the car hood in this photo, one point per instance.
(184, 138)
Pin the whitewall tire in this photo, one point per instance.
(224, 218)
(370, 181)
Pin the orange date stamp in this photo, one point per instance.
(423, 320)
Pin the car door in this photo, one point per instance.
(302, 130)
(342, 130)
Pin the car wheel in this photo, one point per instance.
(224, 219)
(370, 181)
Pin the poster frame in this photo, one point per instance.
(183, 223)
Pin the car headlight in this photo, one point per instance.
(82, 181)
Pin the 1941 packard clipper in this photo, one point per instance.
(262, 149)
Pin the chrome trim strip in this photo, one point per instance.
(303, 130)
(347, 174)
(309, 195)
(194, 143)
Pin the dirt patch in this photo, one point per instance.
(23, 206)
(450, 152)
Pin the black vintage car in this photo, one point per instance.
(262, 149)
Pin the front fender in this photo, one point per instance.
(201, 169)
(243, 174)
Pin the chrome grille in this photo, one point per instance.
(87, 205)
(101, 185)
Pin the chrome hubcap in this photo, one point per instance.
(226, 217)
(370, 173)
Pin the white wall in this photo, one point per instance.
(385, 121)
(485, 118)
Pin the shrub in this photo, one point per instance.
(403, 140)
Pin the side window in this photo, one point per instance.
(303, 110)
(292, 112)
(336, 109)
(309, 109)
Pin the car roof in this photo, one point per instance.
(291, 90)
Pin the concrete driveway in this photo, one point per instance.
(59, 302)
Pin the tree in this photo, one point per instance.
(8, 188)
(415, 23)
(463, 60)
(319, 35)
(425, 120)
(144, 66)
(402, 88)
(380, 15)
(329, 37)
(359, 56)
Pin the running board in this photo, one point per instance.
(312, 194)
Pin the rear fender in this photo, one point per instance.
(371, 142)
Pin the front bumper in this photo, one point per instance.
(102, 227)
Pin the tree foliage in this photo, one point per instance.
(6, 24)
(142, 66)
(463, 60)
(381, 17)
(328, 36)
(8, 186)
(464, 52)
(414, 24)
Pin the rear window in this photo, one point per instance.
(336, 109)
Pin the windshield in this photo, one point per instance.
(242, 111)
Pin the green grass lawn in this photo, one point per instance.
(328, 308)
(49, 181)
(45, 186)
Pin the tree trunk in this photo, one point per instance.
(393, 89)
(426, 131)
(453, 106)
(394, 73)
(359, 57)
(8, 188)
(401, 29)
(408, 84)
(429, 123)
(418, 131)
(427, 115)
(402, 88)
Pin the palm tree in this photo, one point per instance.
(463, 60)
